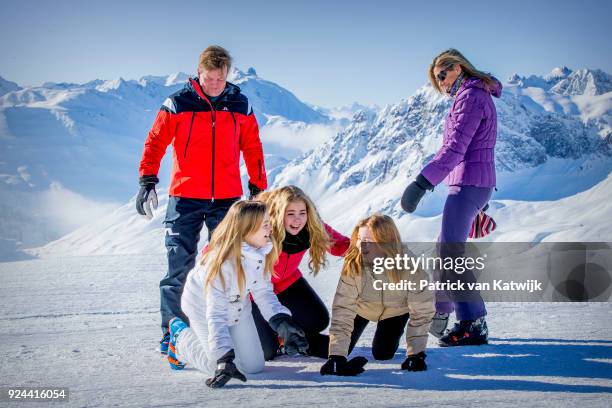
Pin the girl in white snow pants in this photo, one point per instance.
(222, 339)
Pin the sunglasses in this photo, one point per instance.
(441, 76)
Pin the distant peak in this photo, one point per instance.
(584, 82)
(558, 72)
(176, 78)
(237, 76)
(514, 78)
(7, 86)
(112, 84)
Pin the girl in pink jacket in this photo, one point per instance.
(297, 228)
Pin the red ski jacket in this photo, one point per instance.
(207, 139)
(286, 269)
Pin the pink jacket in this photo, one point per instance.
(286, 269)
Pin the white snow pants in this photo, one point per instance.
(192, 343)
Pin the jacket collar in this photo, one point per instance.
(473, 82)
(258, 254)
(194, 86)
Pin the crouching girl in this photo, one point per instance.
(360, 299)
(221, 339)
(297, 229)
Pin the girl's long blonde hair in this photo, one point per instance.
(387, 239)
(278, 200)
(450, 57)
(242, 219)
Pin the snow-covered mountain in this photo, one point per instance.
(270, 99)
(84, 141)
(345, 113)
(552, 168)
(564, 81)
(7, 86)
(584, 93)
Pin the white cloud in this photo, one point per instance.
(67, 210)
(297, 135)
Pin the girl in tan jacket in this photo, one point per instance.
(360, 299)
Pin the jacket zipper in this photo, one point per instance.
(234, 119)
(214, 117)
(259, 169)
(213, 114)
(189, 135)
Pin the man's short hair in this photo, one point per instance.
(215, 57)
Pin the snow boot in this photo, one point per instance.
(163, 343)
(466, 333)
(176, 326)
(439, 324)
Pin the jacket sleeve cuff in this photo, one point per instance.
(424, 183)
(433, 174)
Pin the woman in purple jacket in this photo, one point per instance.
(466, 161)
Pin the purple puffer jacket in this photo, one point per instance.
(467, 157)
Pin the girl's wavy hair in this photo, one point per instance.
(278, 200)
(386, 237)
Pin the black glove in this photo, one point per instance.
(253, 190)
(226, 370)
(293, 336)
(414, 192)
(338, 365)
(147, 197)
(415, 362)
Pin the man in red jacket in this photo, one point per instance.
(209, 122)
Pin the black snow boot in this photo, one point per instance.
(466, 333)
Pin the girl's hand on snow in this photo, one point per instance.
(415, 362)
(338, 365)
(226, 370)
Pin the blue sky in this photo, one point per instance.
(326, 52)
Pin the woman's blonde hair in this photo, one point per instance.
(387, 239)
(278, 200)
(242, 219)
(450, 57)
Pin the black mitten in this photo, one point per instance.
(226, 370)
(414, 192)
(338, 365)
(253, 190)
(415, 362)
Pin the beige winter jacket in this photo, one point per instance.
(358, 296)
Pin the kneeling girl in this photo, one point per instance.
(221, 338)
(358, 302)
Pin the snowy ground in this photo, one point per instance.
(91, 324)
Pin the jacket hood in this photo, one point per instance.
(473, 82)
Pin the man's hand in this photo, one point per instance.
(146, 201)
(253, 190)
